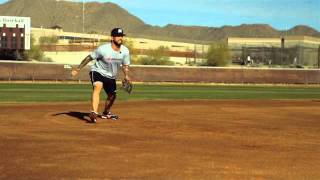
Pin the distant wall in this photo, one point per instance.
(65, 57)
(74, 58)
(57, 72)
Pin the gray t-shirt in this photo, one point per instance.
(108, 61)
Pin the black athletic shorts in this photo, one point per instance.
(109, 85)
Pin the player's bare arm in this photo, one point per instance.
(125, 69)
(84, 62)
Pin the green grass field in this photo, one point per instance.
(33, 92)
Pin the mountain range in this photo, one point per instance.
(102, 17)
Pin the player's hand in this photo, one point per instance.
(74, 72)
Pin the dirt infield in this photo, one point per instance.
(163, 140)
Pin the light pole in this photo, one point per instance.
(82, 16)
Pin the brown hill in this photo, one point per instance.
(102, 17)
(195, 33)
(303, 30)
(99, 17)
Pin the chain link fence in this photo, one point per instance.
(23, 71)
(297, 56)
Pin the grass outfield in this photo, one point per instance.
(16, 92)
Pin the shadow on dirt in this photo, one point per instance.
(79, 115)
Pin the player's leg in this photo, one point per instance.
(109, 102)
(110, 88)
(97, 84)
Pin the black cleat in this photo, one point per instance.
(93, 117)
(109, 115)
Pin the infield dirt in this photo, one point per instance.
(218, 139)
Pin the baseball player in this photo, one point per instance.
(109, 58)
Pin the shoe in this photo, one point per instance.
(109, 115)
(93, 117)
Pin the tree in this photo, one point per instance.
(218, 55)
(35, 52)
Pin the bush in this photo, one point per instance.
(148, 61)
(47, 40)
(159, 56)
(133, 51)
(218, 55)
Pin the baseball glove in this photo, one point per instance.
(127, 86)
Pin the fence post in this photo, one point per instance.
(282, 51)
(319, 57)
(33, 73)
(195, 53)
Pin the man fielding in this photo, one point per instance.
(109, 57)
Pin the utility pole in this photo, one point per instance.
(82, 16)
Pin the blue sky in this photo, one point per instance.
(280, 14)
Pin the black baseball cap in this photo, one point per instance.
(117, 32)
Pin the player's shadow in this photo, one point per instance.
(79, 115)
